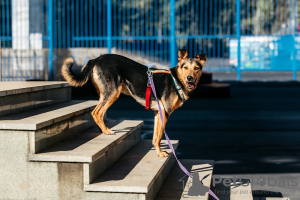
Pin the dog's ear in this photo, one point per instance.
(202, 58)
(182, 54)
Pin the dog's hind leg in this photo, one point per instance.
(158, 133)
(103, 106)
(97, 109)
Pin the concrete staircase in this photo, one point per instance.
(50, 149)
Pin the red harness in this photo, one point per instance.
(148, 90)
(148, 94)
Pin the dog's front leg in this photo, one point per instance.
(158, 132)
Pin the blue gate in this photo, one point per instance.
(238, 35)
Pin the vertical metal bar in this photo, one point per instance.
(90, 22)
(128, 25)
(7, 16)
(115, 21)
(95, 21)
(123, 23)
(133, 21)
(0, 61)
(198, 25)
(120, 9)
(81, 24)
(100, 24)
(85, 24)
(172, 34)
(205, 41)
(215, 22)
(220, 33)
(238, 37)
(224, 32)
(77, 22)
(63, 24)
(164, 46)
(156, 22)
(292, 26)
(50, 40)
(42, 75)
(109, 25)
(68, 24)
(144, 30)
(151, 28)
(276, 6)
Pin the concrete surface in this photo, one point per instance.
(238, 191)
(89, 145)
(22, 99)
(140, 170)
(177, 184)
(42, 117)
(21, 179)
(11, 88)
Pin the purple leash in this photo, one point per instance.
(168, 140)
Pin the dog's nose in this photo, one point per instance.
(190, 78)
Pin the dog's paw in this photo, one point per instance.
(163, 154)
(109, 132)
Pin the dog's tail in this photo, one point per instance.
(76, 79)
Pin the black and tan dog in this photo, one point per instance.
(115, 74)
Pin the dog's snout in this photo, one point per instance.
(190, 78)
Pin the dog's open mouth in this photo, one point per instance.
(191, 85)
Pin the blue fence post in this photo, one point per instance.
(50, 40)
(238, 37)
(172, 34)
(295, 13)
(109, 25)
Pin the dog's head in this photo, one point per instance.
(190, 69)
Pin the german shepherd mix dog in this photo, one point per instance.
(114, 74)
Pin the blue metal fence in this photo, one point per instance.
(37, 35)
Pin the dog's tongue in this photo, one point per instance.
(193, 85)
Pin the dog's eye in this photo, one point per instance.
(196, 68)
(185, 68)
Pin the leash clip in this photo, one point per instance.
(149, 73)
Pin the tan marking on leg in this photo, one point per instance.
(125, 90)
(158, 133)
(101, 112)
(94, 83)
(97, 108)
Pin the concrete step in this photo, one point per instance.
(136, 175)
(89, 145)
(52, 124)
(178, 184)
(96, 150)
(58, 176)
(16, 97)
(232, 189)
(241, 190)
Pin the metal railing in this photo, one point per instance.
(237, 35)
